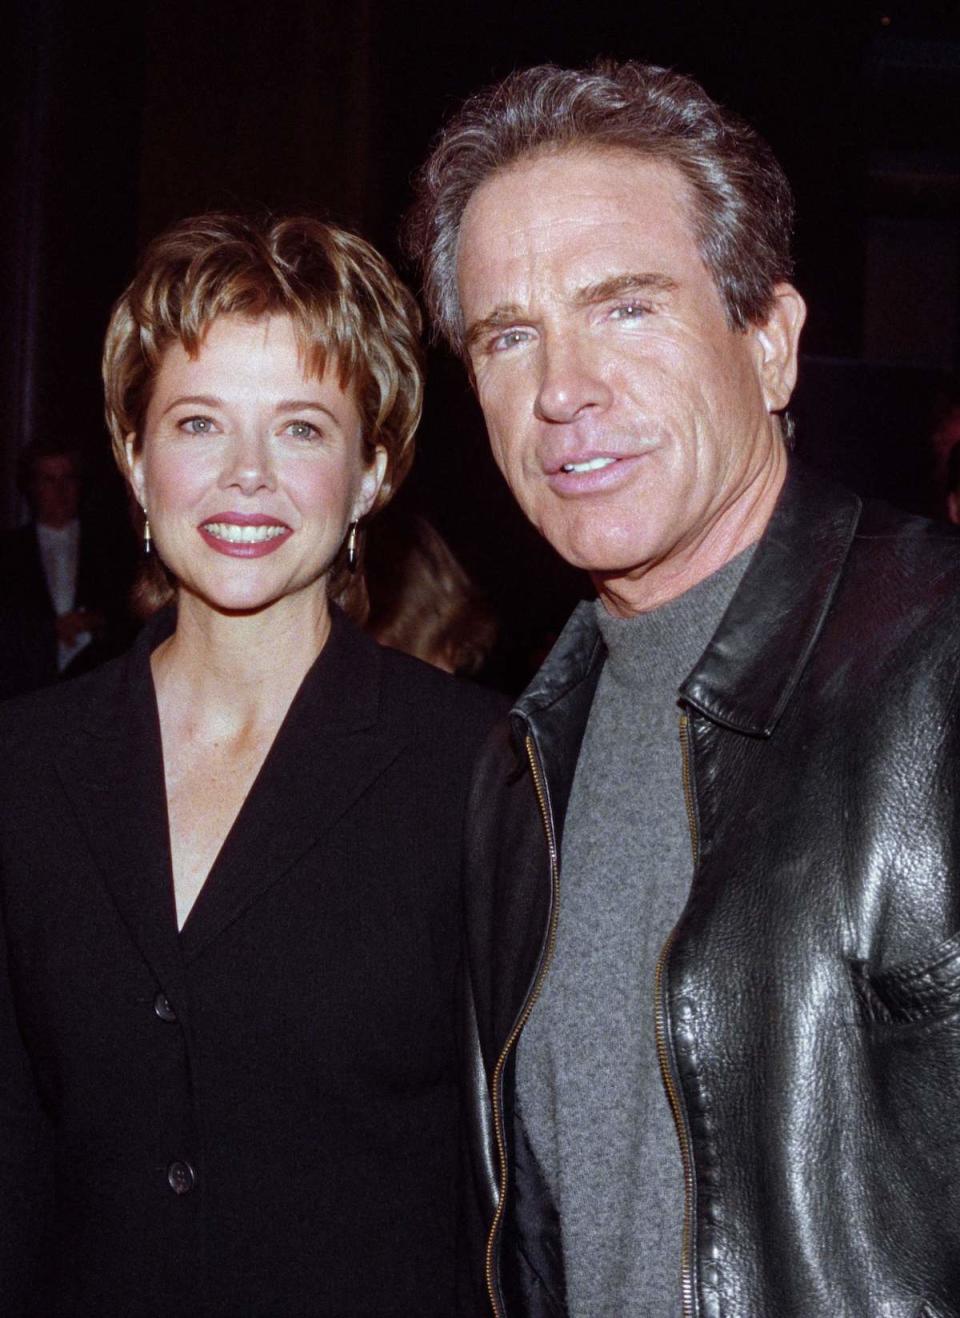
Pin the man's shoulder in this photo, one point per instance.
(882, 521)
(902, 558)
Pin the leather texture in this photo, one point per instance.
(812, 986)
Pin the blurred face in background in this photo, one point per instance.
(251, 469)
(55, 489)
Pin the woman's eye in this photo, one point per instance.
(302, 430)
(197, 425)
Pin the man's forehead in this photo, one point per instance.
(607, 175)
(578, 218)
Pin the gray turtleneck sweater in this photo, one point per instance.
(588, 1081)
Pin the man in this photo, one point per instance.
(725, 1087)
(62, 586)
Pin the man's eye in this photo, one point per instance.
(509, 339)
(197, 425)
(630, 311)
(302, 430)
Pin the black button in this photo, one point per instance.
(181, 1177)
(162, 1007)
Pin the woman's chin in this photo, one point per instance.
(236, 600)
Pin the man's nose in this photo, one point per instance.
(571, 381)
(249, 464)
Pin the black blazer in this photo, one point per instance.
(258, 1116)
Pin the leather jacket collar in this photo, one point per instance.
(748, 672)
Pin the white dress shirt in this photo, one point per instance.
(59, 554)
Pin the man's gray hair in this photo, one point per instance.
(743, 206)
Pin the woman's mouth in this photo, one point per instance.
(243, 535)
(249, 538)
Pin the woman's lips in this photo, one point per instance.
(594, 473)
(244, 535)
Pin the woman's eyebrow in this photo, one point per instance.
(193, 400)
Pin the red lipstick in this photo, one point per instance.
(244, 535)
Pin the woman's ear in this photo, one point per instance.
(135, 467)
(778, 339)
(370, 483)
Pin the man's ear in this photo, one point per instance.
(778, 338)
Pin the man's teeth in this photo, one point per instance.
(243, 535)
(594, 464)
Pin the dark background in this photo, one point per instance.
(126, 116)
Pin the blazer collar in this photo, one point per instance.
(329, 749)
(113, 773)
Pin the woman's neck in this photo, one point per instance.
(238, 671)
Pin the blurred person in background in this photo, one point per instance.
(952, 485)
(229, 861)
(945, 444)
(421, 599)
(63, 578)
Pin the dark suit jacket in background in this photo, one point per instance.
(294, 1044)
(28, 638)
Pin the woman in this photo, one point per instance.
(229, 861)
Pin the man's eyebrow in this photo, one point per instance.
(646, 282)
(505, 314)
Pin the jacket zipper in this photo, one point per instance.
(666, 1068)
(495, 1083)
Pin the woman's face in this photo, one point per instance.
(250, 470)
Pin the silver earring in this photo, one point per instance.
(147, 538)
(352, 555)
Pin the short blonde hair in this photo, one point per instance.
(342, 296)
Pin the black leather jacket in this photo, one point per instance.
(808, 1000)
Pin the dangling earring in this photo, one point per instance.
(147, 538)
(352, 555)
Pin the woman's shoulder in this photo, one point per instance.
(420, 691)
(53, 714)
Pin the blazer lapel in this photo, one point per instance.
(113, 774)
(329, 750)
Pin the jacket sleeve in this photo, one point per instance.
(25, 1155)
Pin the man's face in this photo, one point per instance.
(55, 490)
(631, 422)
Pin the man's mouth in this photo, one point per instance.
(243, 535)
(591, 464)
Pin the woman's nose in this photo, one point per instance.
(249, 464)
